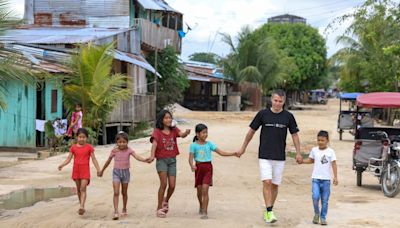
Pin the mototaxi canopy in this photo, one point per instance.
(379, 100)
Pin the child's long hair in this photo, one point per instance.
(160, 117)
(199, 128)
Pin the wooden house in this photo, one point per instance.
(209, 90)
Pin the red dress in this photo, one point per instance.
(81, 154)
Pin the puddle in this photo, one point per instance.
(28, 197)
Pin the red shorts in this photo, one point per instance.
(81, 172)
(203, 174)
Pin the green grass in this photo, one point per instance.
(292, 154)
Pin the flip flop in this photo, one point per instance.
(81, 211)
(161, 213)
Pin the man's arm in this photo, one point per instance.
(296, 142)
(246, 141)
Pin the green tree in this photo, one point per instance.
(9, 69)
(302, 45)
(205, 57)
(369, 59)
(174, 79)
(92, 84)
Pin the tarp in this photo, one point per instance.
(349, 96)
(379, 100)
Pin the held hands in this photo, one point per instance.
(100, 173)
(299, 158)
(335, 181)
(240, 153)
(149, 159)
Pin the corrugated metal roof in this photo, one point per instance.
(156, 5)
(135, 59)
(57, 35)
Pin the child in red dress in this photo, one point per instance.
(81, 152)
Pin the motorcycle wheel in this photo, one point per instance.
(391, 184)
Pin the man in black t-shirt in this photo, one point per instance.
(274, 122)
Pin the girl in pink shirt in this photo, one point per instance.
(121, 175)
(76, 121)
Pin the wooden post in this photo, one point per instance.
(221, 96)
(104, 134)
(155, 80)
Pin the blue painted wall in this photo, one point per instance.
(53, 85)
(17, 123)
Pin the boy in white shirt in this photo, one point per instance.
(323, 158)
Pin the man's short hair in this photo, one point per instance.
(279, 92)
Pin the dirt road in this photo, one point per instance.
(235, 199)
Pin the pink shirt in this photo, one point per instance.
(121, 158)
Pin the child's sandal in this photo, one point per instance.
(116, 216)
(164, 206)
(161, 213)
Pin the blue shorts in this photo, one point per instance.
(121, 175)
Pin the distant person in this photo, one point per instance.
(324, 159)
(274, 123)
(76, 121)
(201, 152)
(81, 152)
(165, 149)
(121, 174)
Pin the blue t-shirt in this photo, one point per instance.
(202, 153)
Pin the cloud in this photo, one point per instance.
(209, 17)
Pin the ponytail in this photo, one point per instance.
(195, 138)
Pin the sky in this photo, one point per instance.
(208, 18)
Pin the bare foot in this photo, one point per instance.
(204, 216)
(81, 211)
(200, 211)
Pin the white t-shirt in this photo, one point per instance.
(322, 162)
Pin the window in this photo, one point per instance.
(54, 95)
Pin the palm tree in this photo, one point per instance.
(8, 65)
(92, 84)
(253, 61)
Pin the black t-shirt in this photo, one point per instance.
(273, 132)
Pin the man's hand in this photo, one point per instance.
(299, 158)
